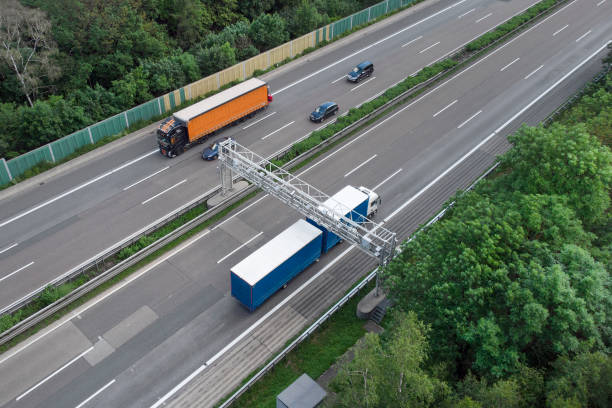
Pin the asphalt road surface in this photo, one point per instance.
(49, 230)
(134, 344)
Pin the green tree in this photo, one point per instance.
(500, 287)
(268, 30)
(305, 18)
(27, 47)
(97, 102)
(237, 35)
(223, 12)
(216, 58)
(585, 381)
(253, 8)
(171, 72)
(10, 129)
(525, 389)
(44, 121)
(389, 373)
(561, 160)
(189, 21)
(132, 89)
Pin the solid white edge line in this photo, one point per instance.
(506, 66)
(576, 68)
(245, 333)
(482, 18)
(163, 192)
(486, 31)
(363, 83)
(583, 35)
(95, 394)
(239, 248)
(278, 306)
(146, 178)
(361, 165)
(179, 386)
(18, 270)
(374, 44)
(277, 130)
(430, 47)
(258, 120)
(368, 47)
(529, 105)
(103, 297)
(54, 373)
(376, 187)
(445, 108)
(9, 247)
(411, 41)
(468, 119)
(347, 144)
(336, 80)
(372, 97)
(466, 13)
(561, 29)
(434, 181)
(258, 322)
(601, 2)
(189, 243)
(99, 254)
(72, 190)
(534, 71)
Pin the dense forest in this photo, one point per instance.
(65, 64)
(507, 301)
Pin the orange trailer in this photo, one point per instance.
(194, 123)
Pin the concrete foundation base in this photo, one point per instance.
(367, 305)
(215, 200)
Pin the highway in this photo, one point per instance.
(49, 230)
(175, 320)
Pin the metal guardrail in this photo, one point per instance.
(299, 339)
(568, 103)
(311, 329)
(107, 274)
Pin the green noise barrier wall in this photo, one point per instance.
(61, 148)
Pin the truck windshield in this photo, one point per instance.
(162, 137)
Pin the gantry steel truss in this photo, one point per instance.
(365, 234)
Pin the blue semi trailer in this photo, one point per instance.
(360, 202)
(261, 274)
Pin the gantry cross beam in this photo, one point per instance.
(365, 234)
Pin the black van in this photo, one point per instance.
(361, 71)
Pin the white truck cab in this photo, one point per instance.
(373, 200)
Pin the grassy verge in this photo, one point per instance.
(43, 166)
(52, 294)
(313, 356)
(355, 114)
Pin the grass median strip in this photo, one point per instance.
(313, 356)
(121, 276)
(441, 69)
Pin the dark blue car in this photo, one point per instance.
(361, 71)
(212, 152)
(324, 111)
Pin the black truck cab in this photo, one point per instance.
(172, 137)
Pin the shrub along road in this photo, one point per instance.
(185, 316)
(51, 229)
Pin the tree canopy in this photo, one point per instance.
(105, 56)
